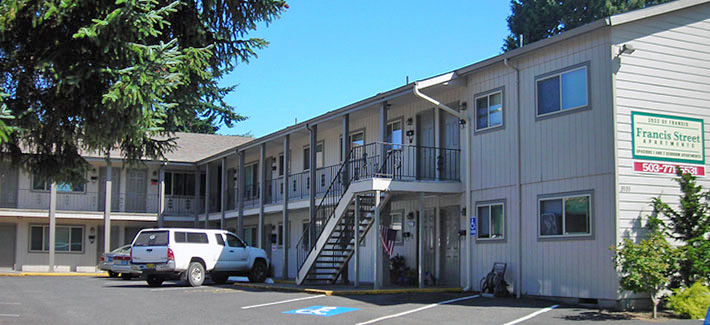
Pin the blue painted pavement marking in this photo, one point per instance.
(325, 311)
(707, 317)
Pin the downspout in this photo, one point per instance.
(469, 172)
(520, 182)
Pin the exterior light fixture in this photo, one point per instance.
(627, 49)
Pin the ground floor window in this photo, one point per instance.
(281, 233)
(491, 220)
(565, 215)
(67, 238)
(396, 224)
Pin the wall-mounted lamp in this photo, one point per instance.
(94, 179)
(410, 121)
(410, 135)
(463, 106)
(92, 234)
(626, 49)
(463, 211)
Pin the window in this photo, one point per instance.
(67, 239)
(281, 233)
(396, 224)
(394, 134)
(179, 184)
(562, 91)
(40, 184)
(357, 138)
(234, 241)
(491, 221)
(489, 111)
(307, 156)
(220, 240)
(190, 237)
(152, 238)
(565, 216)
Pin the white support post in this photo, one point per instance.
(198, 171)
(356, 266)
(377, 254)
(262, 191)
(52, 223)
(241, 188)
(312, 184)
(107, 206)
(207, 195)
(437, 142)
(161, 197)
(286, 235)
(383, 135)
(420, 242)
(223, 197)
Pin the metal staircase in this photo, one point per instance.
(328, 242)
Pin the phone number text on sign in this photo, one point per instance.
(657, 168)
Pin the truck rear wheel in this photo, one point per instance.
(195, 274)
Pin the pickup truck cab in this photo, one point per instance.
(190, 254)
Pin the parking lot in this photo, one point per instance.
(84, 300)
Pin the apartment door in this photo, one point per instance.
(266, 240)
(7, 245)
(429, 237)
(115, 188)
(449, 248)
(426, 153)
(448, 156)
(269, 163)
(136, 190)
(100, 240)
(8, 186)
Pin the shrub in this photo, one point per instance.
(690, 302)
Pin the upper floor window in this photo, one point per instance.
(562, 91)
(489, 110)
(394, 134)
(307, 156)
(565, 215)
(179, 183)
(357, 139)
(40, 184)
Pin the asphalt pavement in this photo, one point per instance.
(100, 300)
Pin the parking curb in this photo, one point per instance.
(356, 292)
(21, 274)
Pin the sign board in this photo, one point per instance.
(670, 169)
(474, 226)
(667, 138)
(324, 311)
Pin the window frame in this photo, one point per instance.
(307, 157)
(279, 234)
(489, 204)
(350, 136)
(558, 73)
(46, 226)
(488, 94)
(562, 196)
(399, 238)
(393, 145)
(189, 177)
(46, 186)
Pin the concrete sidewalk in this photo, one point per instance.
(20, 273)
(340, 289)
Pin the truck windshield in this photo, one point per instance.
(152, 238)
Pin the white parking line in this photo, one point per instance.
(9, 315)
(176, 288)
(283, 302)
(418, 309)
(9, 303)
(522, 319)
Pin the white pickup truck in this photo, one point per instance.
(189, 254)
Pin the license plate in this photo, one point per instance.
(123, 262)
(150, 266)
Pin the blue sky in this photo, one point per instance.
(327, 54)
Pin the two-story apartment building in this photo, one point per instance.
(541, 158)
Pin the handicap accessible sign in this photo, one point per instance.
(325, 311)
(473, 226)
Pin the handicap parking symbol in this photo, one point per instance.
(325, 311)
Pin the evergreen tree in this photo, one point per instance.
(539, 19)
(690, 225)
(117, 74)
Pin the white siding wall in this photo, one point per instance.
(669, 73)
(565, 153)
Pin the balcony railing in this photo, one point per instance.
(84, 201)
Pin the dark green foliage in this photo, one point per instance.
(539, 19)
(117, 74)
(690, 224)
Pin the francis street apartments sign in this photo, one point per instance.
(675, 141)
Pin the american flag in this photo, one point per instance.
(388, 236)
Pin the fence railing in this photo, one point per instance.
(84, 201)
